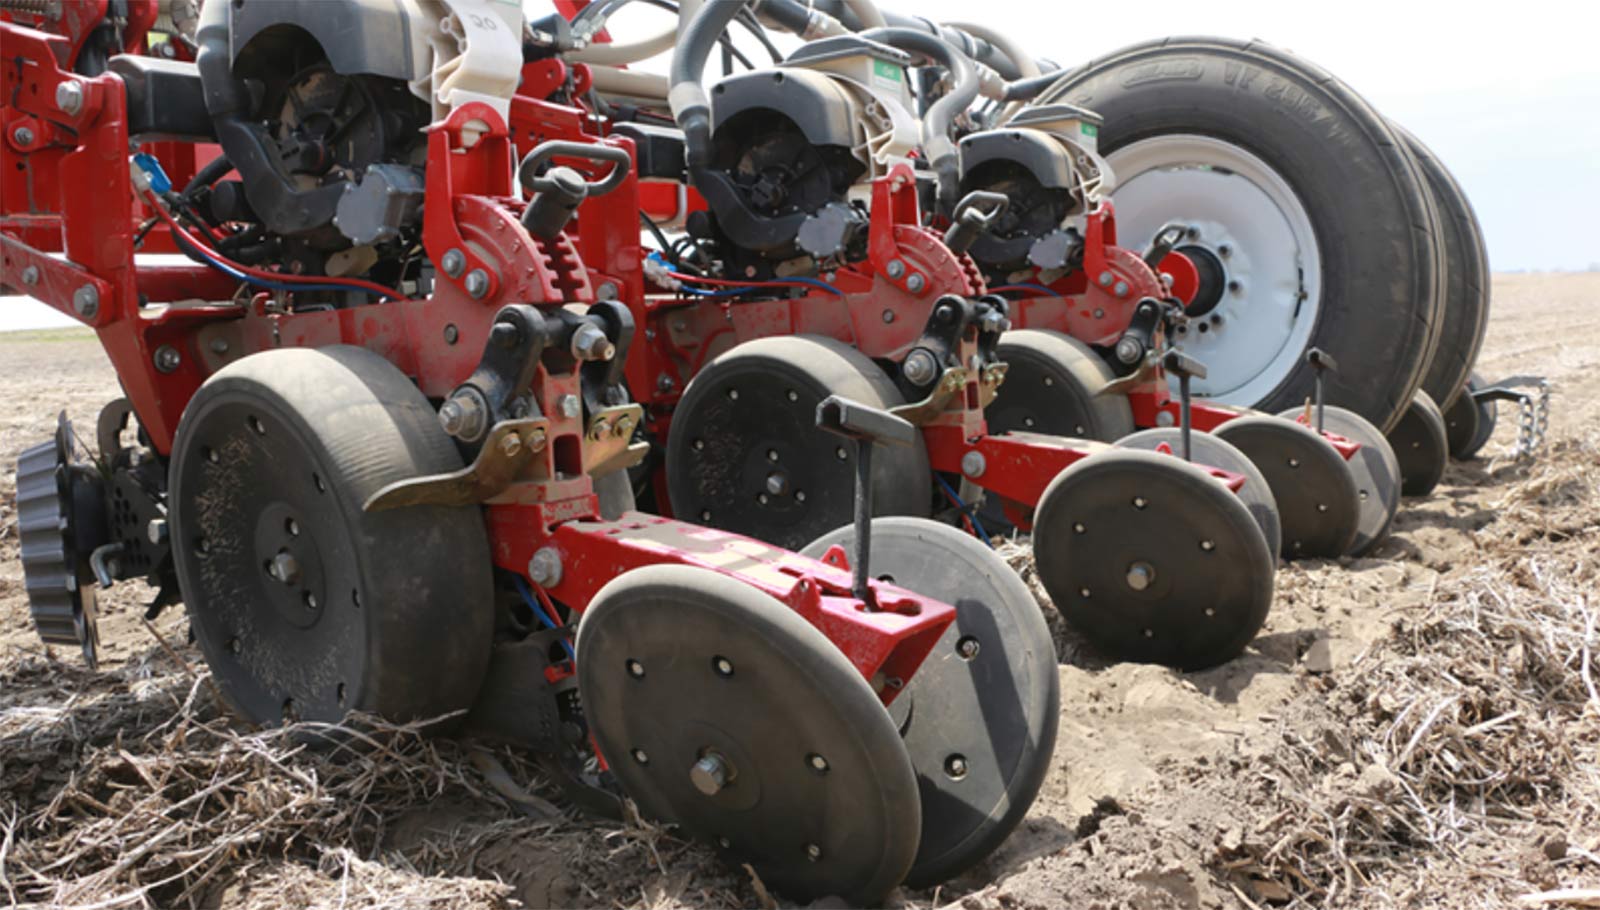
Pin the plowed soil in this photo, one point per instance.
(1417, 728)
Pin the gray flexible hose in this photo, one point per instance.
(938, 124)
(691, 107)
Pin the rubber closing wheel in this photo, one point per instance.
(722, 711)
(1469, 423)
(305, 606)
(1216, 452)
(982, 710)
(744, 453)
(1311, 483)
(1421, 445)
(1376, 471)
(1152, 559)
(1052, 386)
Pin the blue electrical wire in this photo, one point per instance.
(966, 510)
(734, 292)
(538, 610)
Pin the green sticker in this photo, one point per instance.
(886, 70)
(1090, 129)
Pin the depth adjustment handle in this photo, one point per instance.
(559, 191)
(1320, 362)
(1185, 368)
(866, 426)
(972, 216)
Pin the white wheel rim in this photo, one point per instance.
(1234, 203)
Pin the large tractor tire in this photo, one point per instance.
(1297, 194)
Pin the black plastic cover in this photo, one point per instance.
(359, 36)
(165, 99)
(814, 102)
(657, 150)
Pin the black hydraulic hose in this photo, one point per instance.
(691, 107)
(938, 124)
(1031, 88)
(214, 170)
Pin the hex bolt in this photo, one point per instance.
(920, 367)
(569, 406)
(916, 283)
(545, 567)
(956, 766)
(454, 262)
(22, 135)
(1105, 279)
(589, 342)
(635, 669)
(710, 774)
(967, 647)
(896, 269)
(606, 291)
(219, 346)
(1141, 575)
(69, 97)
(510, 445)
(723, 666)
(285, 568)
(167, 358)
(640, 757)
(973, 464)
(30, 276)
(86, 302)
(1121, 289)
(477, 283)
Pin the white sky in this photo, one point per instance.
(1507, 95)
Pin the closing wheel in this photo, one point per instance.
(1052, 386)
(1421, 445)
(1376, 471)
(981, 712)
(1469, 423)
(1292, 186)
(722, 711)
(305, 606)
(1152, 559)
(744, 453)
(1311, 483)
(1216, 452)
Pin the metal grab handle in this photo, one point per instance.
(528, 171)
(970, 220)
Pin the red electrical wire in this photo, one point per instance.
(263, 274)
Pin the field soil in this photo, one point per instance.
(1417, 728)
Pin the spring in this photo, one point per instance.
(48, 9)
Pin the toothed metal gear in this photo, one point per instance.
(55, 567)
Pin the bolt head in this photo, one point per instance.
(1121, 289)
(285, 568)
(86, 302)
(69, 97)
(167, 358)
(22, 135)
(916, 283)
(453, 263)
(30, 276)
(569, 406)
(477, 283)
(510, 445)
(973, 464)
(896, 268)
(545, 567)
(451, 416)
(1141, 575)
(888, 316)
(710, 774)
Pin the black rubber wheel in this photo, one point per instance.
(1420, 444)
(1376, 470)
(305, 606)
(981, 713)
(810, 782)
(744, 453)
(1465, 317)
(1052, 386)
(1217, 452)
(1311, 483)
(1469, 423)
(1366, 201)
(1153, 560)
